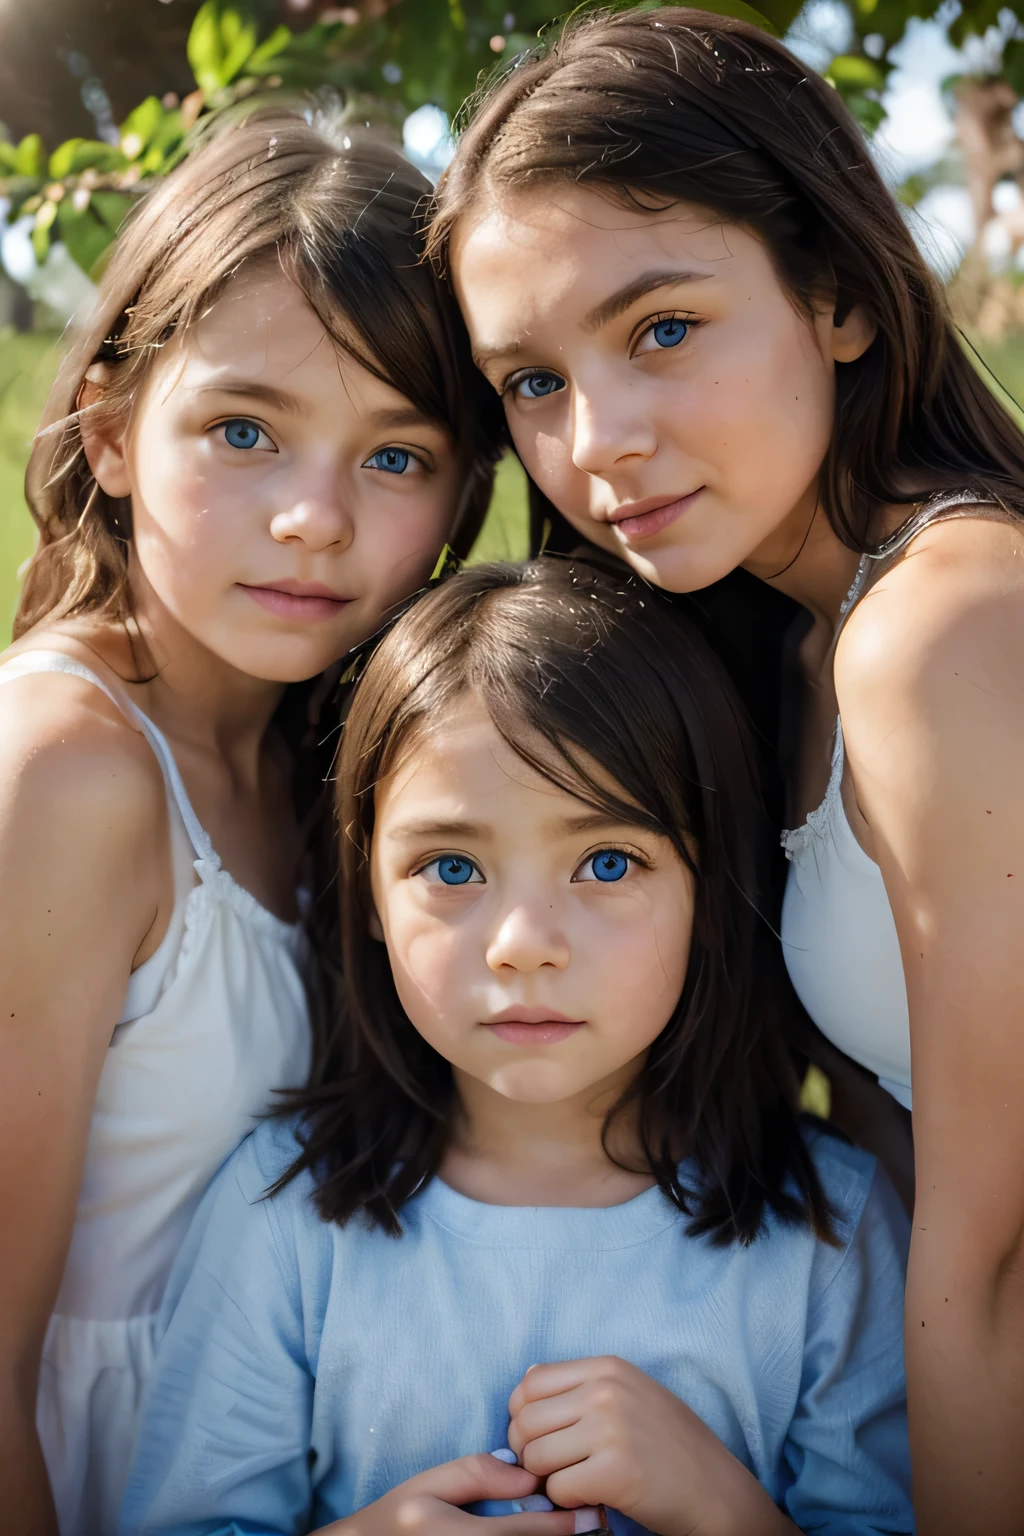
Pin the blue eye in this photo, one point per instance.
(452, 869)
(607, 865)
(393, 461)
(669, 333)
(536, 385)
(241, 433)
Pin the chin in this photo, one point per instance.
(536, 1084)
(279, 662)
(681, 570)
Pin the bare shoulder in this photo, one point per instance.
(947, 619)
(71, 762)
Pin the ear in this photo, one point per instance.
(853, 331)
(104, 441)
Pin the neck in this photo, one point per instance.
(805, 558)
(505, 1152)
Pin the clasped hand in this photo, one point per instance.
(589, 1432)
(602, 1432)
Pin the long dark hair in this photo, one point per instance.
(574, 662)
(655, 106)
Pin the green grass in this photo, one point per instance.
(505, 534)
(27, 365)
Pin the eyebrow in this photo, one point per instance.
(608, 309)
(407, 416)
(595, 821)
(437, 829)
(498, 353)
(588, 821)
(619, 301)
(247, 389)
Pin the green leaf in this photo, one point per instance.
(260, 60)
(30, 156)
(238, 39)
(852, 73)
(40, 239)
(86, 236)
(868, 112)
(205, 54)
(111, 207)
(8, 159)
(1013, 64)
(140, 126)
(77, 155)
(40, 235)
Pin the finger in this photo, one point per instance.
(547, 1380)
(555, 1452)
(564, 1522)
(545, 1415)
(474, 1477)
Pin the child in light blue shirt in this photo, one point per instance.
(549, 1188)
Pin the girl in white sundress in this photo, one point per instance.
(259, 443)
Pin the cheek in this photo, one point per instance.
(766, 410)
(427, 959)
(400, 543)
(638, 954)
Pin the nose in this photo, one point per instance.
(609, 428)
(317, 516)
(527, 937)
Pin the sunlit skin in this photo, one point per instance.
(541, 948)
(282, 500)
(684, 428)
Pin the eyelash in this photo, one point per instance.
(645, 327)
(642, 330)
(410, 453)
(242, 421)
(631, 854)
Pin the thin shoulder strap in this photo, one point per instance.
(938, 509)
(29, 662)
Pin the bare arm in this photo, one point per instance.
(80, 809)
(931, 687)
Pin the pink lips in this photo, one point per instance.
(642, 520)
(532, 1026)
(305, 602)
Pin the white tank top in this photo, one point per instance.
(212, 1023)
(838, 932)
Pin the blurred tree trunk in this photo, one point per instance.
(992, 152)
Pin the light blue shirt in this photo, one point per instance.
(306, 1368)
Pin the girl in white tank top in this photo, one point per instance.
(231, 492)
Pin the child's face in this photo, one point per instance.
(538, 947)
(661, 387)
(282, 497)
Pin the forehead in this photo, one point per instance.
(261, 331)
(461, 760)
(565, 225)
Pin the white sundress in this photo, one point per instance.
(212, 1023)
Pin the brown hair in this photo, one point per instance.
(573, 662)
(655, 106)
(342, 212)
